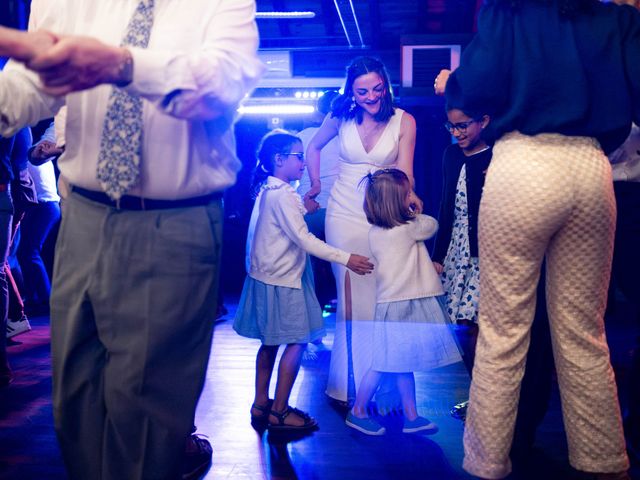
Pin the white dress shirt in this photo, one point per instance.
(626, 159)
(200, 63)
(44, 176)
(403, 268)
(278, 238)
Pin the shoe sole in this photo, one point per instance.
(427, 429)
(292, 428)
(196, 473)
(377, 433)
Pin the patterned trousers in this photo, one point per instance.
(552, 196)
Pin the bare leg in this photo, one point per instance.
(407, 388)
(348, 318)
(368, 386)
(287, 373)
(265, 360)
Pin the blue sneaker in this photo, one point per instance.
(420, 425)
(365, 425)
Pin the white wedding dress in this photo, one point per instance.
(347, 228)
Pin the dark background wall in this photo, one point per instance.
(319, 48)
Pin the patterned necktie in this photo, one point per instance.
(121, 143)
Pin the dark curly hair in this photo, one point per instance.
(341, 106)
(565, 7)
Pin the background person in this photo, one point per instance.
(626, 263)
(329, 170)
(38, 222)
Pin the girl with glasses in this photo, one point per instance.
(455, 254)
(278, 304)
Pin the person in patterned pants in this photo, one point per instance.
(561, 82)
(545, 195)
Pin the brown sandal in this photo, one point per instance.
(264, 412)
(309, 422)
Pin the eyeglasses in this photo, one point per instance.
(300, 155)
(460, 127)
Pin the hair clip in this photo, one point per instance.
(368, 178)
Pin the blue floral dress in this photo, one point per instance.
(461, 276)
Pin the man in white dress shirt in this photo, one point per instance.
(135, 280)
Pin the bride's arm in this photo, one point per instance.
(327, 131)
(406, 150)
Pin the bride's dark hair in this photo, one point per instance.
(344, 107)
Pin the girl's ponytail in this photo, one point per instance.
(274, 142)
(260, 173)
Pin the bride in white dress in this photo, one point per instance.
(372, 135)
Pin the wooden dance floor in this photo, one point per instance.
(28, 449)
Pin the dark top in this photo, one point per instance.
(6, 172)
(535, 71)
(13, 155)
(20, 153)
(476, 167)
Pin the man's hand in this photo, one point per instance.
(79, 63)
(359, 264)
(43, 151)
(23, 46)
(439, 268)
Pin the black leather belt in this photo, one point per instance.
(128, 202)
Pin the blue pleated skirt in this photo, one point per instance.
(279, 315)
(413, 335)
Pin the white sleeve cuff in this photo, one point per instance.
(151, 76)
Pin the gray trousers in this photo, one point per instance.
(545, 195)
(132, 311)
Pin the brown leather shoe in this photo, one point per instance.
(197, 457)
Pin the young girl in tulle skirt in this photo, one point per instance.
(411, 330)
(278, 304)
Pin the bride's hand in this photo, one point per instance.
(415, 202)
(314, 191)
(311, 205)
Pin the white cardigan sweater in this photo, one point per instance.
(403, 269)
(279, 239)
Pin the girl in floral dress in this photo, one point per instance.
(456, 250)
